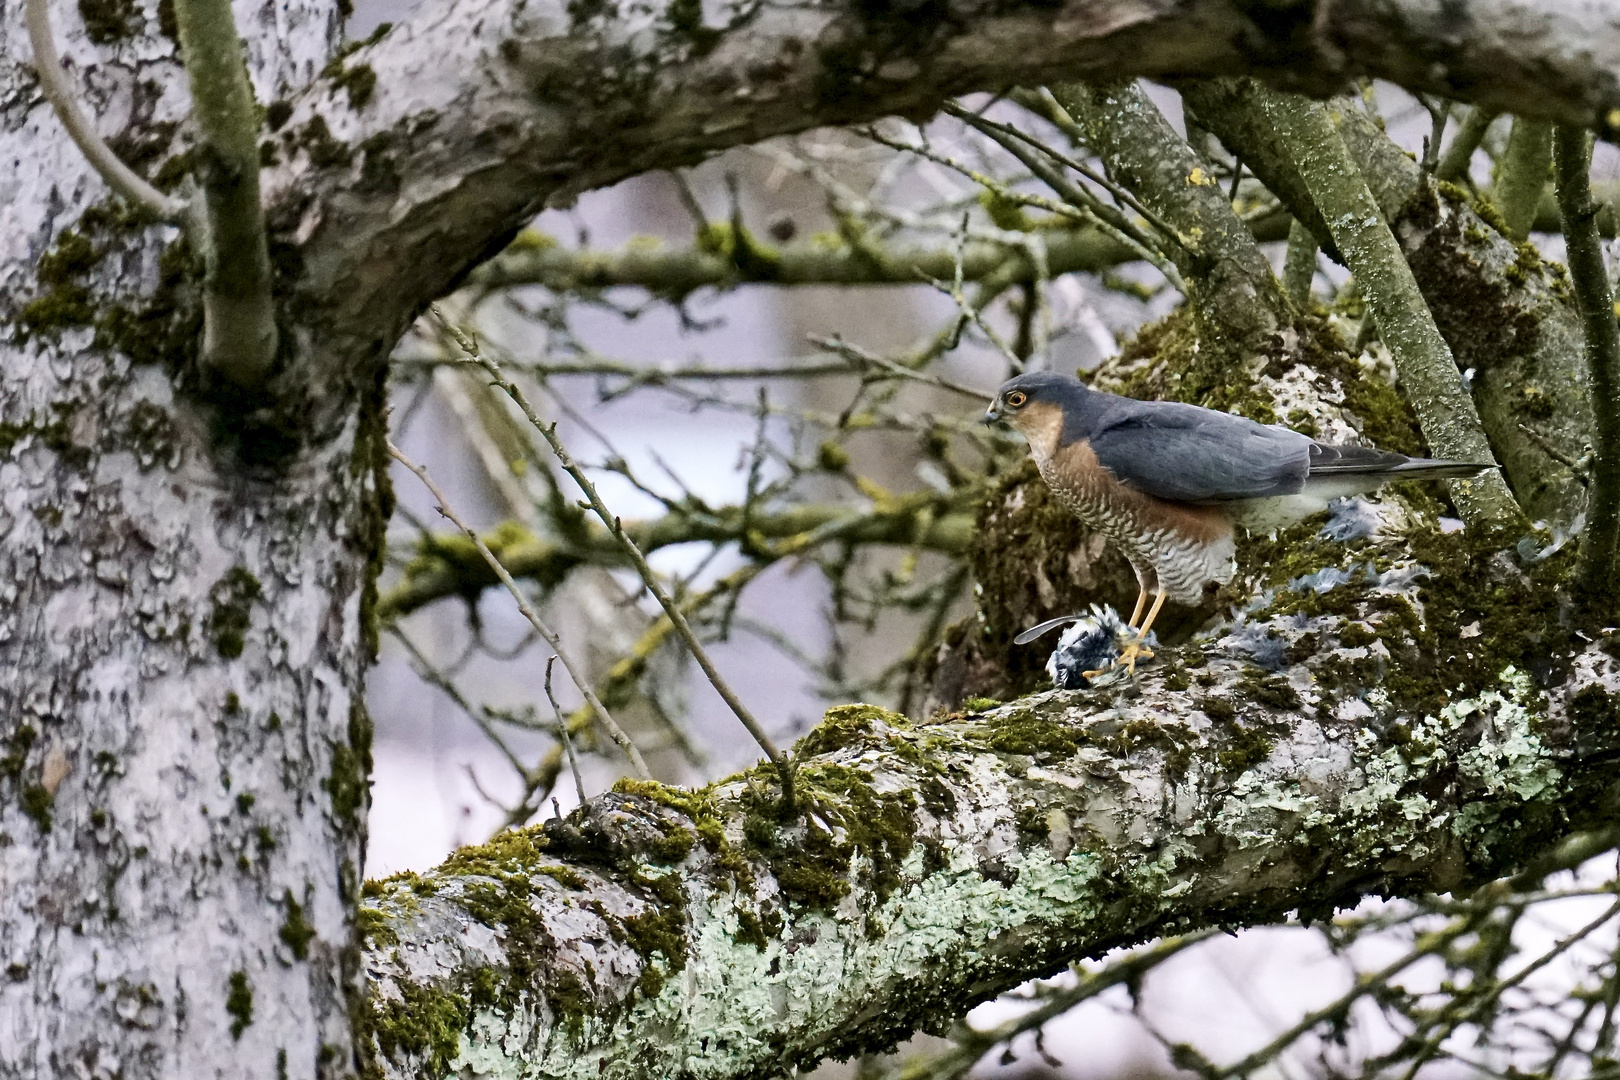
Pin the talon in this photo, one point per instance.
(1130, 655)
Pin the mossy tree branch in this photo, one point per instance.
(678, 271)
(1600, 543)
(1428, 371)
(1239, 301)
(517, 108)
(659, 931)
(240, 334)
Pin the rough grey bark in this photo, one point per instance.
(182, 744)
(1506, 317)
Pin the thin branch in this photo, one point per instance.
(1299, 267)
(972, 1045)
(1081, 215)
(1043, 104)
(784, 764)
(1594, 296)
(865, 362)
(1439, 114)
(120, 177)
(550, 636)
(562, 730)
(928, 519)
(239, 338)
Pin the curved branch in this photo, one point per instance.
(508, 106)
(120, 177)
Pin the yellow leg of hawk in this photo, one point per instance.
(1135, 651)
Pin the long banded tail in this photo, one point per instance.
(1348, 461)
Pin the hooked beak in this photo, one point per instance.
(992, 415)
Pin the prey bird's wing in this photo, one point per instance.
(1186, 454)
(1041, 628)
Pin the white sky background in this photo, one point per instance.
(1227, 996)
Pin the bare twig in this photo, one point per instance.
(550, 636)
(239, 337)
(1044, 104)
(862, 361)
(562, 730)
(1439, 115)
(1131, 238)
(1600, 544)
(784, 764)
(120, 177)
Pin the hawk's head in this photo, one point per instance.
(1038, 404)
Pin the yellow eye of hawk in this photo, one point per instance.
(1016, 399)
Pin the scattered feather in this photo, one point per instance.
(1352, 519)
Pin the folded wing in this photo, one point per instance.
(1187, 454)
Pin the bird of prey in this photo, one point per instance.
(1168, 483)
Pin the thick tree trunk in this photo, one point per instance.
(183, 775)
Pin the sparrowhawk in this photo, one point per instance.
(1168, 483)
